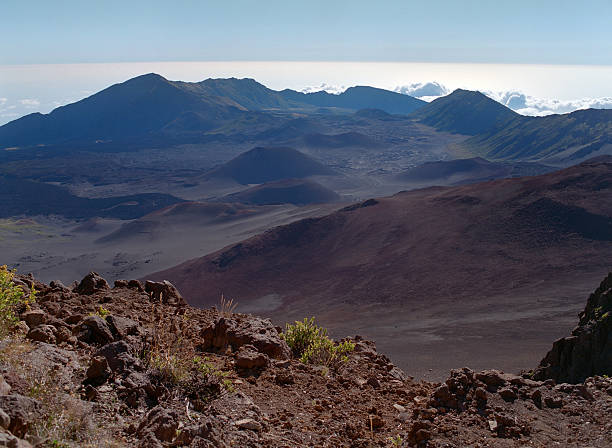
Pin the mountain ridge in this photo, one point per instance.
(150, 104)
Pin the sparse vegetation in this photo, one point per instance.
(396, 441)
(227, 307)
(310, 343)
(102, 312)
(12, 297)
(65, 421)
(175, 358)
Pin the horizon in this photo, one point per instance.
(528, 89)
(551, 57)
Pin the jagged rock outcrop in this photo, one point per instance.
(91, 283)
(588, 351)
(164, 292)
(236, 332)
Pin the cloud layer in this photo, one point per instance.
(423, 89)
(529, 105)
(336, 90)
(514, 99)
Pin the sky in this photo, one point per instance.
(500, 31)
(541, 56)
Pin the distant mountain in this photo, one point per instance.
(150, 105)
(290, 191)
(569, 137)
(25, 197)
(261, 165)
(500, 133)
(356, 98)
(133, 109)
(461, 171)
(247, 93)
(466, 112)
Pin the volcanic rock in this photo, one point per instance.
(93, 329)
(121, 326)
(22, 411)
(588, 351)
(91, 283)
(34, 318)
(164, 292)
(163, 423)
(249, 358)
(42, 333)
(235, 332)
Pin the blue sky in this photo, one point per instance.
(491, 31)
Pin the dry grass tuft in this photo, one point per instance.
(227, 307)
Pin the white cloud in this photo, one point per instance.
(3, 101)
(335, 90)
(514, 99)
(529, 105)
(30, 103)
(423, 90)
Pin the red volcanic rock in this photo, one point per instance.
(91, 283)
(234, 333)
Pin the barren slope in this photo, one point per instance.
(423, 270)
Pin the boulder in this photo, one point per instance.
(22, 411)
(136, 284)
(164, 292)
(42, 333)
(57, 284)
(249, 423)
(492, 378)
(121, 327)
(161, 422)
(508, 394)
(119, 357)
(457, 389)
(93, 329)
(249, 358)
(91, 284)
(236, 332)
(98, 370)
(120, 284)
(34, 318)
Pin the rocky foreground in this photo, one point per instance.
(134, 365)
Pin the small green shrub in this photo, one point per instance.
(102, 312)
(327, 353)
(310, 343)
(11, 298)
(302, 334)
(206, 369)
(396, 441)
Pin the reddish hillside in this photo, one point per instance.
(516, 253)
